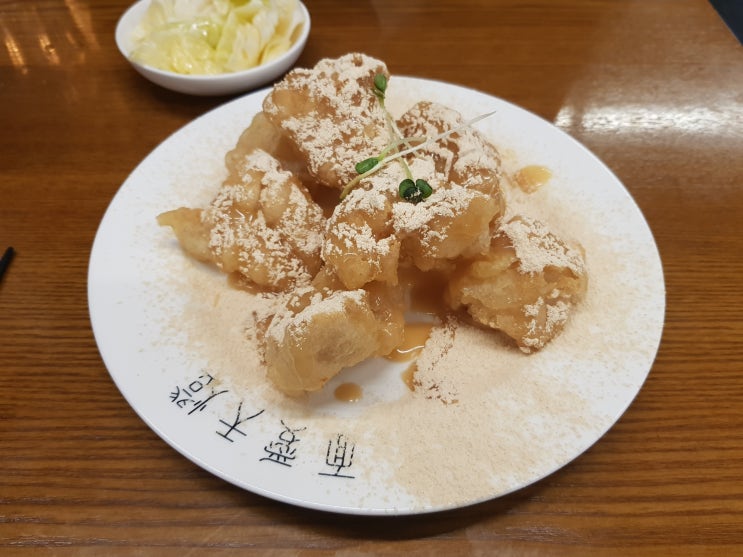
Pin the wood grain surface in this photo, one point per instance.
(654, 88)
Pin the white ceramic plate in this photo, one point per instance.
(156, 313)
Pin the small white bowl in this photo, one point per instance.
(218, 84)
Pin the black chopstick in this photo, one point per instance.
(731, 12)
(5, 261)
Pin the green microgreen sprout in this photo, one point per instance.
(380, 85)
(380, 91)
(367, 165)
(385, 158)
(413, 191)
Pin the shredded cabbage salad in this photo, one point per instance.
(214, 36)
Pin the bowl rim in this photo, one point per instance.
(127, 20)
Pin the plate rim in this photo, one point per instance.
(334, 508)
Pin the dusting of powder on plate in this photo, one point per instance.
(484, 417)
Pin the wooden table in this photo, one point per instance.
(654, 88)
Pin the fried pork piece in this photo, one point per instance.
(464, 170)
(192, 234)
(262, 135)
(360, 244)
(525, 286)
(323, 329)
(372, 228)
(262, 223)
(331, 115)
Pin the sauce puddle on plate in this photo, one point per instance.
(416, 335)
(348, 392)
(531, 178)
